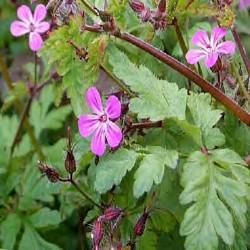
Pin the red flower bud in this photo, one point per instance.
(97, 233)
(140, 224)
(70, 163)
(162, 6)
(50, 172)
(145, 15)
(137, 6)
(112, 213)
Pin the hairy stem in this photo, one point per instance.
(117, 81)
(241, 49)
(21, 123)
(240, 82)
(89, 7)
(18, 106)
(180, 37)
(84, 194)
(242, 114)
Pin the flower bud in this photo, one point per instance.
(218, 66)
(97, 233)
(50, 172)
(162, 6)
(137, 6)
(140, 224)
(70, 163)
(112, 213)
(145, 15)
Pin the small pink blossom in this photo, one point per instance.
(99, 124)
(244, 4)
(210, 48)
(32, 24)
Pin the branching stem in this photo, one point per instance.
(242, 114)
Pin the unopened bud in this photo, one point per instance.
(145, 15)
(162, 6)
(97, 233)
(112, 213)
(218, 66)
(50, 172)
(137, 6)
(70, 163)
(140, 224)
(228, 2)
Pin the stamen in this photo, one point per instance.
(103, 118)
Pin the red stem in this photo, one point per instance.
(241, 49)
(242, 114)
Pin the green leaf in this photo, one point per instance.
(216, 196)
(112, 168)
(20, 90)
(158, 99)
(77, 74)
(8, 127)
(148, 241)
(237, 134)
(42, 117)
(213, 138)
(9, 230)
(151, 169)
(163, 220)
(201, 111)
(44, 218)
(32, 239)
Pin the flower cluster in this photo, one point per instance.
(32, 24)
(157, 17)
(100, 123)
(210, 48)
(110, 214)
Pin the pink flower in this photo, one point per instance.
(244, 4)
(31, 24)
(210, 49)
(100, 123)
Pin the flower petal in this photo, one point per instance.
(195, 55)
(227, 47)
(94, 101)
(113, 107)
(217, 34)
(201, 39)
(24, 13)
(98, 144)
(87, 124)
(19, 28)
(40, 13)
(113, 134)
(35, 41)
(211, 59)
(42, 27)
(244, 3)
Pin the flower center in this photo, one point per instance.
(32, 27)
(103, 118)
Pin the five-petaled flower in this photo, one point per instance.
(32, 24)
(100, 123)
(210, 49)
